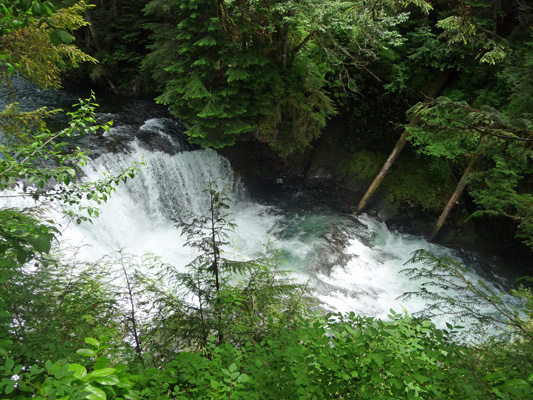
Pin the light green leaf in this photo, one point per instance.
(86, 352)
(110, 380)
(95, 393)
(10, 386)
(9, 363)
(92, 342)
(102, 372)
(80, 371)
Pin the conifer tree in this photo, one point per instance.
(227, 71)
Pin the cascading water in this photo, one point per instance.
(353, 263)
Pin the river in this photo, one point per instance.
(352, 263)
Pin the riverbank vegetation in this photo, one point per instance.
(276, 72)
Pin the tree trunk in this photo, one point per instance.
(453, 200)
(437, 86)
(132, 318)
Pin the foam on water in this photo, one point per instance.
(354, 264)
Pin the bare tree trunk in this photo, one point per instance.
(215, 266)
(453, 200)
(437, 86)
(132, 318)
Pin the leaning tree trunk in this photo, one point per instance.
(437, 86)
(453, 200)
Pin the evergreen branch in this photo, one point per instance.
(490, 133)
(446, 275)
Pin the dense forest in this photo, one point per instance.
(423, 108)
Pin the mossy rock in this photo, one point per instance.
(419, 182)
(364, 164)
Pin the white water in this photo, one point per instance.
(360, 272)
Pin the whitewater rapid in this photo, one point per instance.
(352, 263)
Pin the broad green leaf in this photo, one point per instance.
(25, 5)
(80, 371)
(43, 242)
(35, 370)
(110, 380)
(10, 386)
(518, 387)
(86, 352)
(95, 393)
(102, 372)
(92, 342)
(36, 9)
(496, 376)
(243, 378)
(60, 36)
(9, 363)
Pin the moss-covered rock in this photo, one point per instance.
(415, 182)
(363, 165)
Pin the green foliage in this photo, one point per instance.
(95, 379)
(504, 361)
(46, 162)
(419, 182)
(329, 357)
(469, 25)
(518, 78)
(334, 357)
(238, 301)
(449, 292)
(36, 42)
(117, 38)
(500, 146)
(24, 236)
(53, 304)
(205, 78)
(234, 68)
(444, 132)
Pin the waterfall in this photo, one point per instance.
(353, 263)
